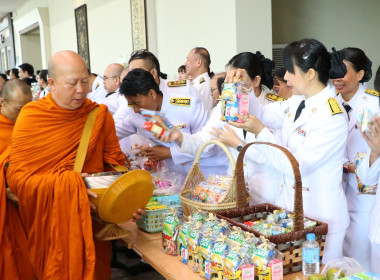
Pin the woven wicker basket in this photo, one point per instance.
(290, 244)
(237, 195)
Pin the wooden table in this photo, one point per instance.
(149, 247)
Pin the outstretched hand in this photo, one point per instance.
(372, 138)
(250, 123)
(227, 136)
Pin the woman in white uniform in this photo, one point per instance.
(263, 185)
(350, 69)
(369, 172)
(315, 131)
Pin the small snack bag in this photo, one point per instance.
(170, 233)
(193, 247)
(183, 252)
(156, 122)
(205, 250)
(236, 237)
(263, 254)
(218, 255)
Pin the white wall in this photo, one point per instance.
(32, 54)
(109, 28)
(338, 23)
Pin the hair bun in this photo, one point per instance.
(268, 66)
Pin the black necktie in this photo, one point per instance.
(299, 109)
(110, 93)
(348, 109)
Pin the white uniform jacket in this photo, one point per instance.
(98, 92)
(189, 119)
(264, 182)
(355, 144)
(370, 176)
(202, 85)
(113, 101)
(317, 139)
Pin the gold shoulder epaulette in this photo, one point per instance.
(334, 106)
(180, 101)
(202, 80)
(179, 83)
(372, 92)
(274, 98)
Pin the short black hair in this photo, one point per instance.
(26, 67)
(308, 54)
(148, 58)
(4, 77)
(219, 83)
(280, 73)
(182, 69)
(15, 72)
(359, 61)
(44, 75)
(255, 65)
(138, 82)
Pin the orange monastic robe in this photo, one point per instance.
(14, 261)
(53, 200)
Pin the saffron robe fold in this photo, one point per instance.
(14, 260)
(53, 199)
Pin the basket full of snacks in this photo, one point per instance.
(285, 229)
(215, 194)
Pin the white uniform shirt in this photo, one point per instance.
(355, 144)
(317, 139)
(113, 101)
(263, 181)
(98, 92)
(202, 85)
(370, 176)
(44, 92)
(189, 119)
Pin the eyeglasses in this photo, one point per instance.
(106, 78)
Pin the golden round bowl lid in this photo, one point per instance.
(123, 197)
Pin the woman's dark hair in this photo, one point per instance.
(376, 82)
(26, 67)
(15, 72)
(308, 54)
(150, 59)
(4, 77)
(255, 65)
(138, 82)
(359, 61)
(219, 83)
(280, 74)
(44, 75)
(182, 69)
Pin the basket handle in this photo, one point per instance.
(221, 145)
(298, 205)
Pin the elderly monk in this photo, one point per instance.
(53, 198)
(14, 260)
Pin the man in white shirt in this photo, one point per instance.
(198, 69)
(111, 82)
(97, 91)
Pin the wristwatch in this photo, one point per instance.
(240, 146)
(346, 168)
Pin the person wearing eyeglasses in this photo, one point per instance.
(111, 82)
(13, 240)
(280, 88)
(216, 86)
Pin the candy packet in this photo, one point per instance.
(193, 247)
(236, 237)
(218, 255)
(205, 249)
(235, 100)
(183, 236)
(364, 118)
(221, 228)
(263, 254)
(156, 122)
(170, 231)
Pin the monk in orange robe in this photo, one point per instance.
(53, 198)
(14, 260)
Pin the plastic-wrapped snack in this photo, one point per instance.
(193, 247)
(243, 103)
(280, 213)
(158, 118)
(205, 249)
(364, 118)
(218, 255)
(170, 233)
(199, 216)
(221, 228)
(235, 266)
(183, 252)
(264, 253)
(236, 237)
(272, 218)
(210, 221)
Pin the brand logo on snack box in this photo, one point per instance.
(219, 248)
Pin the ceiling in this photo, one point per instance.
(7, 6)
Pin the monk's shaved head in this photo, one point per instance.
(62, 58)
(9, 89)
(68, 79)
(16, 93)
